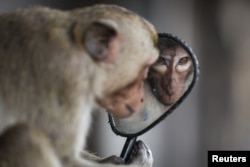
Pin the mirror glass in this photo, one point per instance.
(170, 79)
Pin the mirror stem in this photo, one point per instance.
(127, 148)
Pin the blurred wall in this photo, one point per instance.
(223, 42)
(216, 114)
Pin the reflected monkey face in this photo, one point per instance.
(169, 74)
(170, 79)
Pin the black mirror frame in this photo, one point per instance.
(172, 108)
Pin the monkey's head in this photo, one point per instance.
(168, 76)
(123, 46)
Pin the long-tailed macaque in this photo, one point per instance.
(56, 67)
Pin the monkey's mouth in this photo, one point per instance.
(166, 99)
(125, 111)
(167, 103)
(130, 109)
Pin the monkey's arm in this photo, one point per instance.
(13, 152)
(111, 159)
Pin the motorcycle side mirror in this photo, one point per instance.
(170, 79)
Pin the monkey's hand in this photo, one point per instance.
(141, 155)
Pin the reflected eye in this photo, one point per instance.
(184, 64)
(183, 60)
(161, 65)
(160, 61)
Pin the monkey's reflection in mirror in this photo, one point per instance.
(168, 79)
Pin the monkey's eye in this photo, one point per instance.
(183, 60)
(161, 65)
(184, 64)
(160, 61)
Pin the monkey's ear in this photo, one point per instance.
(101, 41)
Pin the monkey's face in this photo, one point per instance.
(127, 100)
(169, 74)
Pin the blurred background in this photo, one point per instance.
(215, 116)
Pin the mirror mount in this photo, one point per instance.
(127, 148)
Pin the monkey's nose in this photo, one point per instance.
(170, 91)
(142, 100)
